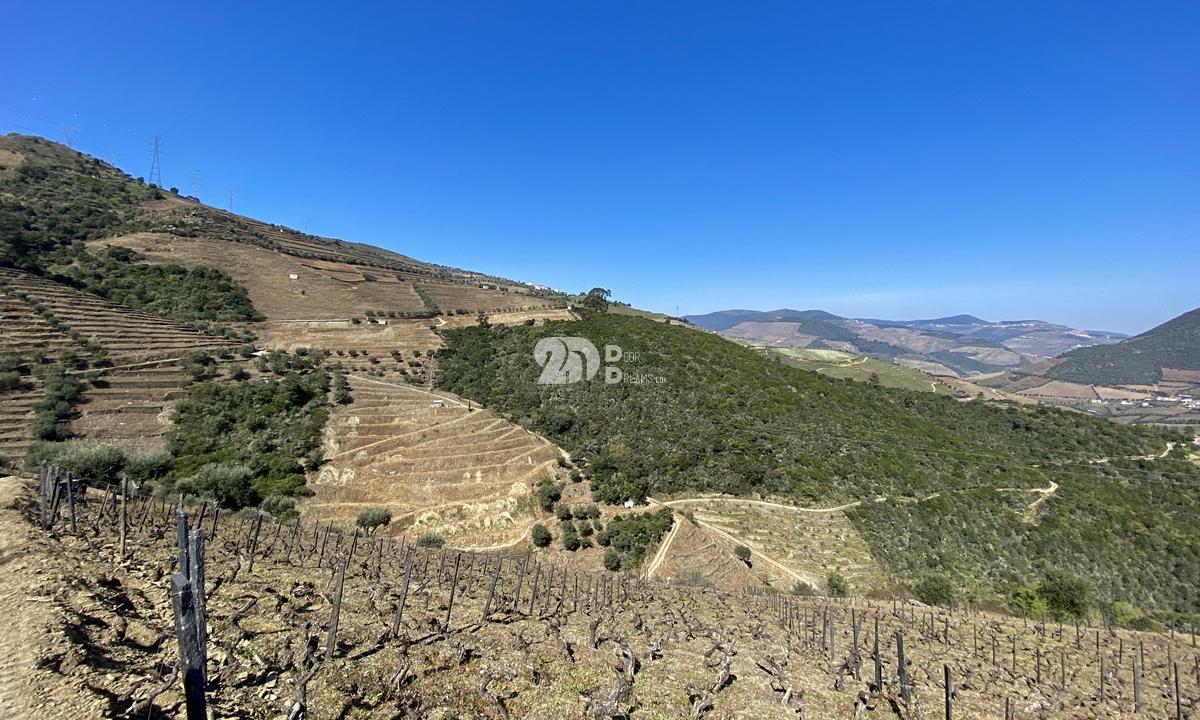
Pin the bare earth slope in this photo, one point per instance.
(32, 627)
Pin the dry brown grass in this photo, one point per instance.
(323, 291)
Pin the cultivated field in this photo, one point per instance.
(127, 335)
(461, 471)
(130, 407)
(307, 623)
(16, 420)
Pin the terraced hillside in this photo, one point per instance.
(129, 407)
(437, 463)
(16, 418)
(27, 332)
(126, 335)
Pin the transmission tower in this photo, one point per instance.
(196, 184)
(230, 198)
(155, 176)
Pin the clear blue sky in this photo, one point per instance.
(881, 159)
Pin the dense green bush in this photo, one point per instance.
(612, 560)
(547, 494)
(430, 540)
(231, 485)
(341, 388)
(371, 519)
(269, 428)
(540, 536)
(632, 534)
(172, 290)
(280, 507)
(743, 553)
(99, 463)
(52, 414)
(836, 585)
(1067, 596)
(935, 590)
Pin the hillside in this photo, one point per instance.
(1141, 360)
(699, 415)
(249, 364)
(961, 345)
(78, 220)
(302, 621)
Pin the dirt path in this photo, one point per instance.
(31, 628)
(660, 556)
(662, 551)
(754, 552)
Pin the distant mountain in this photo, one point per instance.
(1140, 360)
(958, 345)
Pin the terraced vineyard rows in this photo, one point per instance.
(301, 621)
(439, 464)
(26, 332)
(16, 417)
(129, 407)
(127, 335)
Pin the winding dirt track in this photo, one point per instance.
(660, 555)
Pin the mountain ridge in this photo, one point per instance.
(957, 345)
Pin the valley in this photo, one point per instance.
(817, 470)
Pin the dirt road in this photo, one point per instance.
(31, 622)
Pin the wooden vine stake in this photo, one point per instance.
(331, 640)
(187, 603)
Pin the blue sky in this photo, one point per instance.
(879, 159)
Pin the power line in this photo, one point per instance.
(155, 176)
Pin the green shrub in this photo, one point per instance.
(341, 388)
(743, 553)
(631, 534)
(612, 560)
(935, 590)
(231, 486)
(279, 506)
(547, 495)
(430, 540)
(836, 585)
(562, 512)
(10, 380)
(271, 427)
(371, 519)
(540, 536)
(1067, 596)
(570, 542)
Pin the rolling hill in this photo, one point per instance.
(1142, 359)
(961, 345)
(265, 366)
(992, 495)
